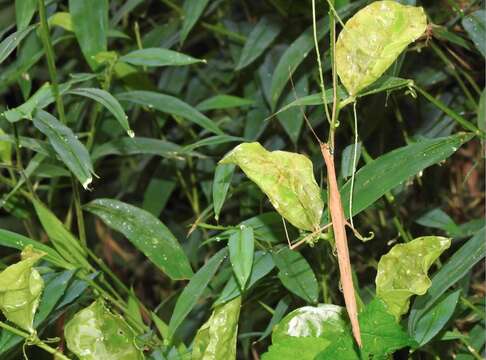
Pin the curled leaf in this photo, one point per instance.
(402, 272)
(20, 289)
(286, 178)
(96, 333)
(373, 38)
(216, 338)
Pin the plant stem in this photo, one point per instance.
(51, 65)
(79, 212)
(332, 45)
(35, 341)
(454, 115)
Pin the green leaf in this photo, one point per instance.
(296, 274)
(170, 105)
(347, 159)
(293, 118)
(241, 245)
(402, 272)
(64, 242)
(61, 19)
(436, 318)
(298, 51)
(311, 321)
(158, 57)
(481, 119)
(211, 141)
(192, 11)
(384, 173)
(20, 290)
(5, 150)
(388, 84)
(216, 338)
(146, 233)
(136, 146)
(90, 25)
(450, 273)
(372, 40)
(12, 41)
(260, 38)
(301, 348)
(286, 178)
(17, 241)
(67, 146)
(108, 101)
(157, 194)
(24, 12)
(95, 333)
(221, 183)
(218, 102)
(438, 219)
(262, 265)
(475, 25)
(193, 291)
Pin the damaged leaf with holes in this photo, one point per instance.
(20, 289)
(402, 272)
(286, 178)
(373, 39)
(96, 333)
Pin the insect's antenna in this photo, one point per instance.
(302, 110)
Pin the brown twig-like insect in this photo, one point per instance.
(338, 225)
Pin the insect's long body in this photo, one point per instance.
(338, 224)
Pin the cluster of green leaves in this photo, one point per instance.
(123, 116)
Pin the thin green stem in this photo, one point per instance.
(32, 338)
(79, 212)
(51, 64)
(332, 44)
(319, 63)
(454, 115)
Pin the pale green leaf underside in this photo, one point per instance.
(373, 38)
(402, 272)
(95, 333)
(286, 178)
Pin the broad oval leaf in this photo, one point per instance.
(71, 151)
(20, 290)
(170, 105)
(146, 233)
(311, 321)
(191, 293)
(286, 178)
(241, 245)
(108, 101)
(296, 274)
(402, 272)
(95, 333)
(158, 57)
(260, 38)
(90, 25)
(372, 40)
(216, 338)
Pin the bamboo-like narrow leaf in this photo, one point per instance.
(90, 25)
(223, 102)
(193, 291)
(108, 101)
(221, 183)
(372, 40)
(69, 149)
(286, 178)
(146, 233)
(402, 272)
(158, 57)
(192, 11)
(12, 41)
(241, 246)
(260, 38)
(64, 242)
(170, 105)
(24, 11)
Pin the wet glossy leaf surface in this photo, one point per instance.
(373, 38)
(146, 233)
(96, 333)
(20, 289)
(216, 339)
(286, 178)
(403, 272)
